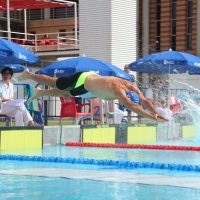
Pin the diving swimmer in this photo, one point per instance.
(104, 87)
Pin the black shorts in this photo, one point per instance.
(68, 84)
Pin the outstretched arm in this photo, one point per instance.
(145, 102)
(120, 95)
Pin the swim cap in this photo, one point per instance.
(132, 96)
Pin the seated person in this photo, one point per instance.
(153, 94)
(46, 39)
(20, 113)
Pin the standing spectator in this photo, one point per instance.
(127, 70)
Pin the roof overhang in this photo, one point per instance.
(17, 5)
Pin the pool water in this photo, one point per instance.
(49, 180)
(22, 187)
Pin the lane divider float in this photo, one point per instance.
(134, 146)
(112, 163)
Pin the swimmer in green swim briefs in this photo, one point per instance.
(104, 87)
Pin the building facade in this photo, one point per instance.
(170, 24)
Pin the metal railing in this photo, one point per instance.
(57, 41)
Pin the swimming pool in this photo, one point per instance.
(57, 180)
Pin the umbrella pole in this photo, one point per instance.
(75, 23)
(168, 89)
(25, 23)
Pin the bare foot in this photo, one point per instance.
(35, 95)
(23, 75)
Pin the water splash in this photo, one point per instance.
(191, 107)
(189, 114)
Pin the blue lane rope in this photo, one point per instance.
(119, 164)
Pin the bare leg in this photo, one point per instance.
(52, 92)
(40, 78)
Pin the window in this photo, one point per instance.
(173, 43)
(35, 14)
(174, 10)
(158, 28)
(189, 24)
(55, 13)
(158, 24)
(189, 42)
(70, 12)
(157, 44)
(190, 5)
(173, 26)
(60, 13)
(158, 12)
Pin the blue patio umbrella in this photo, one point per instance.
(81, 64)
(11, 53)
(167, 62)
(17, 68)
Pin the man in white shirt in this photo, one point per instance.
(20, 113)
